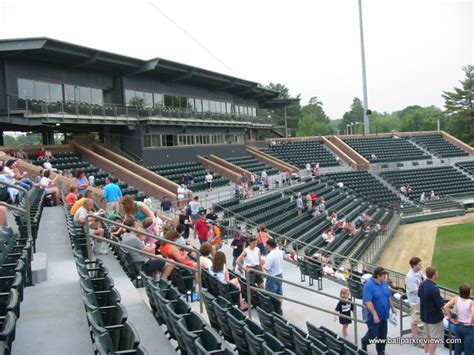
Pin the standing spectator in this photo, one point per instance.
(463, 318)
(273, 267)
(71, 197)
(185, 220)
(264, 174)
(316, 169)
(181, 195)
(81, 181)
(308, 168)
(20, 154)
(262, 239)
(413, 280)
(212, 215)
(345, 308)
(48, 154)
(111, 195)
(250, 259)
(423, 197)
(377, 300)
(148, 201)
(166, 204)
(299, 205)
(201, 228)
(431, 305)
(238, 244)
(214, 235)
(194, 207)
(208, 178)
(135, 209)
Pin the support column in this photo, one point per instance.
(2, 142)
(44, 134)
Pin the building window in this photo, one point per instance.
(41, 90)
(168, 101)
(205, 105)
(26, 88)
(157, 100)
(148, 99)
(97, 97)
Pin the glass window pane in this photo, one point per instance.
(213, 106)
(97, 97)
(176, 102)
(198, 105)
(26, 88)
(148, 99)
(191, 103)
(157, 99)
(69, 91)
(41, 90)
(168, 101)
(56, 92)
(129, 94)
(228, 106)
(85, 94)
(205, 105)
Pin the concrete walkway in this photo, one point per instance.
(52, 319)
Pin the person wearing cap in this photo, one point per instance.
(376, 297)
(251, 259)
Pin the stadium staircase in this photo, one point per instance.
(252, 165)
(271, 160)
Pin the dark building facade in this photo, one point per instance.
(150, 110)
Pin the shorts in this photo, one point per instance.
(434, 331)
(153, 265)
(415, 314)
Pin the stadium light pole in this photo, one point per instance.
(364, 75)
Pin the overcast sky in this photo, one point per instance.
(414, 48)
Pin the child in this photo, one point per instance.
(237, 245)
(344, 308)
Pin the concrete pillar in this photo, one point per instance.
(2, 143)
(44, 134)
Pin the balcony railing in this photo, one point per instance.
(31, 107)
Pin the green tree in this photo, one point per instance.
(459, 107)
(422, 119)
(384, 122)
(315, 110)
(355, 115)
(307, 126)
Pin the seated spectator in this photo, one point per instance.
(340, 184)
(403, 189)
(21, 177)
(423, 197)
(48, 154)
(48, 166)
(50, 187)
(9, 171)
(409, 189)
(68, 174)
(71, 197)
(151, 267)
(219, 270)
(91, 180)
(148, 202)
(38, 177)
(115, 230)
(40, 154)
(316, 169)
(3, 216)
(20, 154)
(205, 258)
(373, 156)
(84, 215)
(150, 225)
(80, 201)
(171, 251)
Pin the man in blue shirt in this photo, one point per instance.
(431, 305)
(378, 303)
(111, 195)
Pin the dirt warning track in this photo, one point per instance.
(416, 239)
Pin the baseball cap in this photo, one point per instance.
(252, 239)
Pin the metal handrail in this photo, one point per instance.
(447, 292)
(153, 256)
(27, 207)
(253, 288)
(185, 247)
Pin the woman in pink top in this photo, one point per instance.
(463, 318)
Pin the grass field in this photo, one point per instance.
(454, 255)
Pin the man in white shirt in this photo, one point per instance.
(194, 207)
(208, 178)
(273, 267)
(181, 194)
(308, 168)
(413, 280)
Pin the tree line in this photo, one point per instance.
(457, 117)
